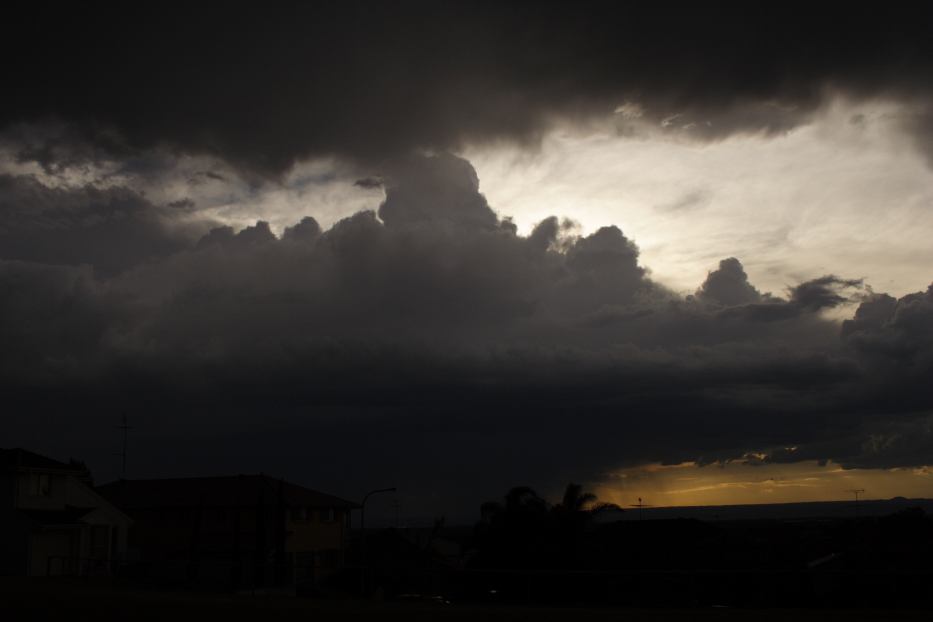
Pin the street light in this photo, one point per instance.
(363, 505)
(363, 534)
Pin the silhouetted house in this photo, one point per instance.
(53, 522)
(235, 531)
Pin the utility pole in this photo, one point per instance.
(126, 428)
(856, 492)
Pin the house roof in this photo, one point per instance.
(23, 458)
(223, 491)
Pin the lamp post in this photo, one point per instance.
(363, 568)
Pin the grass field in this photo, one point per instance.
(45, 599)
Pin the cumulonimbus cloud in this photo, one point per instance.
(431, 332)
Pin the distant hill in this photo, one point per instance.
(777, 511)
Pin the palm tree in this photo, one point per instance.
(518, 500)
(524, 498)
(573, 514)
(524, 530)
(575, 500)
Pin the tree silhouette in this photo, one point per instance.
(513, 532)
(573, 515)
(523, 530)
(575, 500)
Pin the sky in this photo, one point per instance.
(845, 191)
(679, 255)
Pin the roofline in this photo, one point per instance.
(59, 467)
(109, 503)
(352, 505)
(73, 472)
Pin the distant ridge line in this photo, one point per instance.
(784, 511)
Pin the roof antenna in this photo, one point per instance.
(641, 505)
(123, 426)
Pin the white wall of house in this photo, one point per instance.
(102, 535)
(47, 490)
(50, 551)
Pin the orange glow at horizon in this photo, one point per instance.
(738, 483)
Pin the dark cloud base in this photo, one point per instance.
(261, 86)
(431, 345)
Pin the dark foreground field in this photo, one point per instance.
(43, 599)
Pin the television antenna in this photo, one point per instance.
(641, 505)
(856, 492)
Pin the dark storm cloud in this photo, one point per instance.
(306, 230)
(812, 296)
(427, 343)
(891, 340)
(728, 285)
(181, 204)
(111, 229)
(443, 190)
(263, 85)
(894, 337)
(50, 317)
(919, 126)
(368, 182)
(431, 340)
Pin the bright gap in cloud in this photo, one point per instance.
(847, 194)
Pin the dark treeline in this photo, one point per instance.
(580, 551)
(525, 531)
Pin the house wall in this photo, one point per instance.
(170, 532)
(212, 547)
(180, 532)
(63, 490)
(312, 547)
(315, 533)
(53, 551)
(26, 548)
(26, 497)
(118, 528)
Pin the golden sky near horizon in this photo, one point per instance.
(741, 483)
